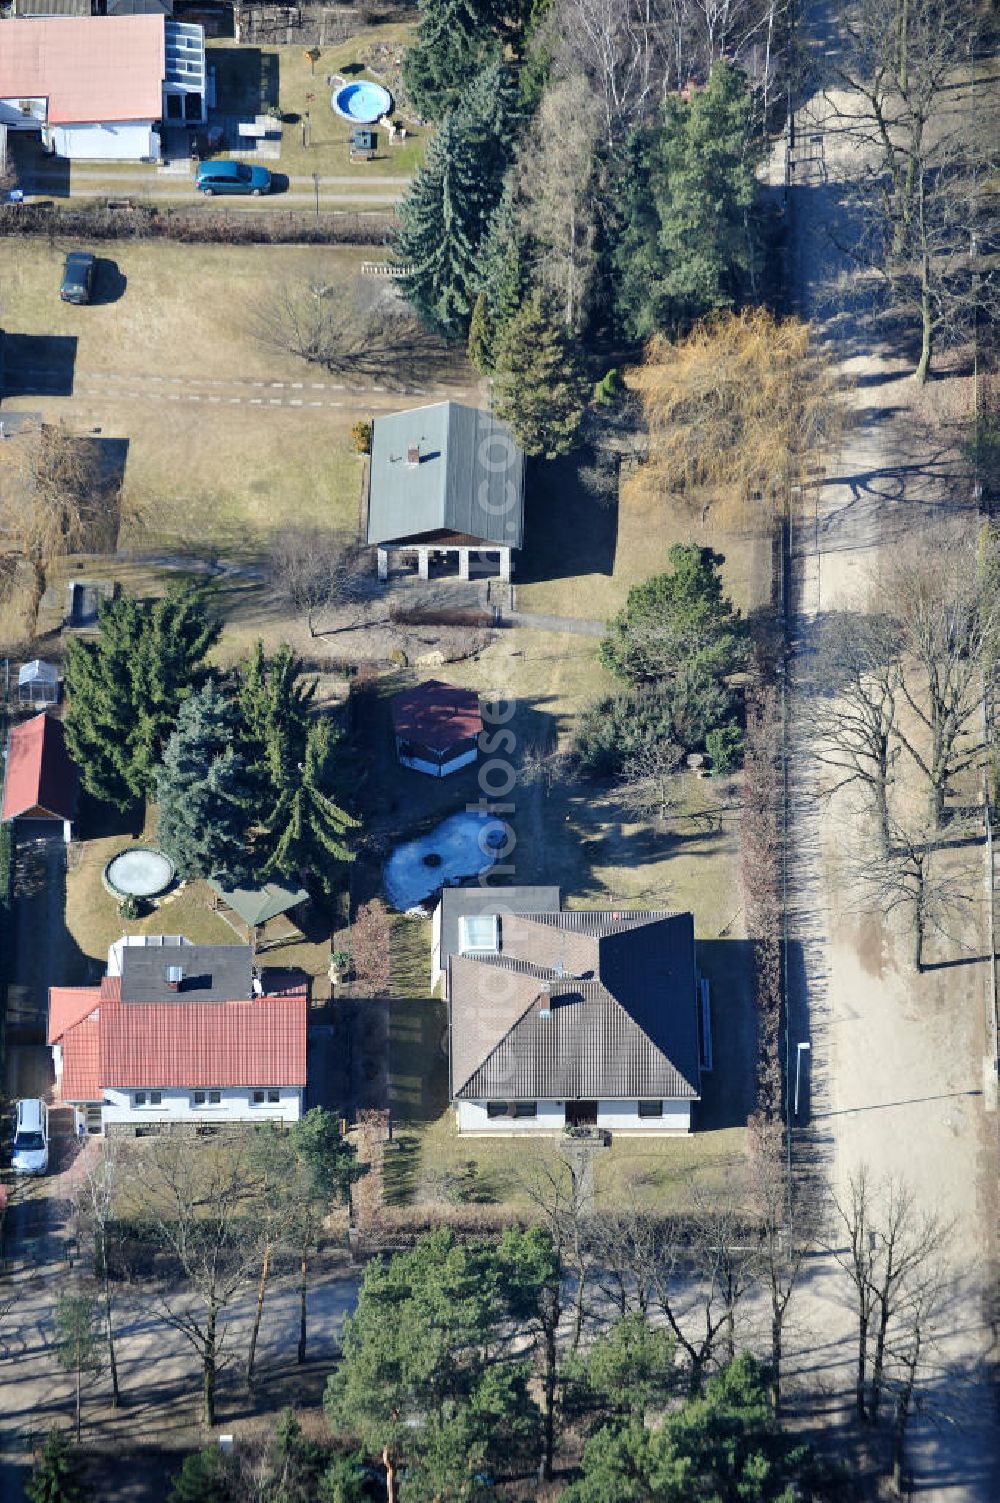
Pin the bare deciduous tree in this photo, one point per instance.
(786, 1224)
(740, 405)
(317, 570)
(360, 330)
(371, 946)
(892, 1260)
(554, 179)
(854, 723)
(557, 1186)
(923, 879)
(648, 787)
(947, 601)
(201, 1205)
(96, 1202)
(920, 151)
(54, 492)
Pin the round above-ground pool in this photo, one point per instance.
(362, 102)
(460, 847)
(140, 872)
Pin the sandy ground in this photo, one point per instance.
(897, 1062)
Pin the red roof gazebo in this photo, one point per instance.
(437, 727)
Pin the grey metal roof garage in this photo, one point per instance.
(445, 471)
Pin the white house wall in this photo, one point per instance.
(23, 114)
(122, 141)
(176, 1106)
(623, 1116)
(440, 769)
(472, 1118)
(615, 1116)
(436, 971)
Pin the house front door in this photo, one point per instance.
(581, 1113)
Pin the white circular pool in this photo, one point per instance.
(141, 872)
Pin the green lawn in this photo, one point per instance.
(582, 556)
(93, 920)
(248, 79)
(204, 476)
(432, 1164)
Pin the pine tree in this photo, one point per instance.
(202, 802)
(308, 828)
(690, 241)
(503, 282)
(480, 342)
(677, 623)
(275, 708)
(289, 757)
(204, 1478)
(126, 687)
(540, 386)
(55, 1477)
(456, 40)
(443, 218)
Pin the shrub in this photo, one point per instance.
(129, 907)
(724, 745)
(685, 710)
(95, 221)
(609, 387)
(361, 437)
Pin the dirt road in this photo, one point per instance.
(896, 1077)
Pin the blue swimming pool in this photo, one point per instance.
(363, 102)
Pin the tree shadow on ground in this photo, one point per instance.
(569, 531)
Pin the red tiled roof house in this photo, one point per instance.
(178, 1032)
(40, 777)
(100, 88)
(437, 727)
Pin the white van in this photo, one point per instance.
(31, 1137)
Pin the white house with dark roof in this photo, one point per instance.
(445, 486)
(580, 1019)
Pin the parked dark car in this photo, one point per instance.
(78, 277)
(232, 177)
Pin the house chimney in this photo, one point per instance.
(413, 454)
(175, 975)
(545, 1001)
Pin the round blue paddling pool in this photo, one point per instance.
(362, 102)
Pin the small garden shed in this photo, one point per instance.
(38, 683)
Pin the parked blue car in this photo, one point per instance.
(232, 177)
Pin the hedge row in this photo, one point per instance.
(93, 221)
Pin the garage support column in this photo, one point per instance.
(423, 563)
(463, 563)
(505, 564)
(383, 564)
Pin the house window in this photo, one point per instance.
(269, 1097)
(525, 1108)
(478, 934)
(650, 1108)
(206, 1098)
(147, 1098)
(512, 1109)
(496, 1108)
